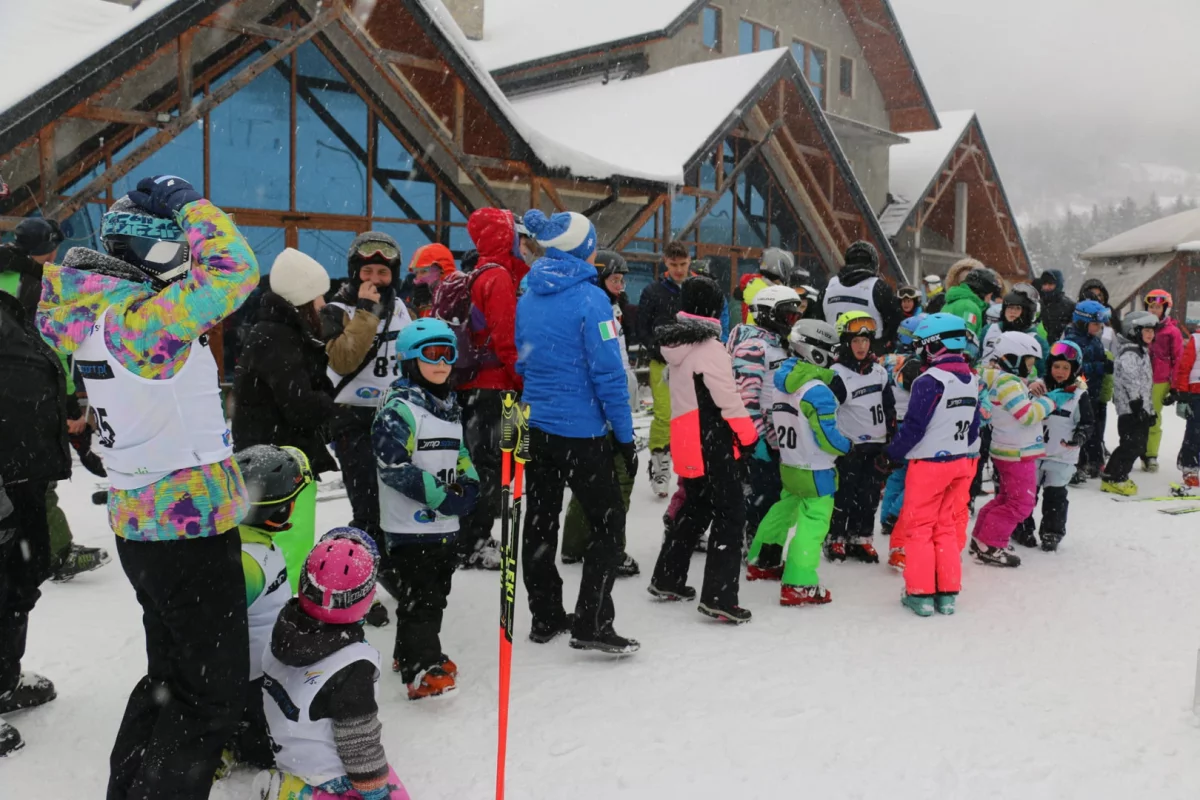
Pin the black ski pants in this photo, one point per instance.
(188, 705)
(24, 564)
(1092, 452)
(481, 412)
(715, 500)
(1134, 430)
(761, 488)
(252, 742)
(423, 573)
(860, 488)
(586, 466)
(985, 449)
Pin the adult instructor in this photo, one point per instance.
(858, 287)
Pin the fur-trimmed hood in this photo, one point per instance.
(687, 329)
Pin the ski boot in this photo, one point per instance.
(1079, 478)
(732, 614)
(757, 573)
(275, 785)
(1149, 464)
(919, 604)
(702, 543)
(1024, 534)
(1191, 478)
(993, 556)
(431, 682)
(542, 632)
(78, 560)
(10, 739)
(1051, 540)
(672, 595)
(607, 642)
(896, 559)
(628, 567)
(943, 603)
(32, 690)
(1125, 488)
(835, 551)
(862, 549)
(887, 526)
(377, 615)
(568, 560)
(804, 595)
(660, 472)
(485, 556)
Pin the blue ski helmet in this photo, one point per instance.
(941, 333)
(430, 340)
(1091, 311)
(906, 331)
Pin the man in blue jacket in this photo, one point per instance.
(569, 354)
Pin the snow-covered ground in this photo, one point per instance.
(1070, 677)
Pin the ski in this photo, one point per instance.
(514, 453)
(1175, 512)
(1166, 498)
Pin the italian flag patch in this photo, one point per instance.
(608, 330)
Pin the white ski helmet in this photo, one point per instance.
(814, 341)
(1010, 349)
(776, 308)
(1133, 324)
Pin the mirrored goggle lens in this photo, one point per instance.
(435, 353)
(1065, 350)
(368, 249)
(863, 326)
(1155, 300)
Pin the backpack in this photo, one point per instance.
(452, 304)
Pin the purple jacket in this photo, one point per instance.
(1166, 350)
(926, 394)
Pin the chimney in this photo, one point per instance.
(469, 16)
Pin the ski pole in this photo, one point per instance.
(509, 434)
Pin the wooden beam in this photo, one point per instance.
(634, 225)
(178, 124)
(460, 110)
(409, 60)
(123, 116)
(47, 163)
(837, 234)
(552, 193)
(247, 27)
(186, 87)
(614, 194)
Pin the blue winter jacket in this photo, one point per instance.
(569, 353)
(1095, 357)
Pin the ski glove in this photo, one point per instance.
(886, 465)
(1078, 439)
(1184, 409)
(628, 453)
(1171, 398)
(164, 195)
(458, 501)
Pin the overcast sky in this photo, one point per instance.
(1070, 82)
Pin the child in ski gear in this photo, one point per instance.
(1018, 313)
(1018, 442)
(1165, 354)
(1066, 429)
(611, 270)
(426, 484)
(804, 413)
(1187, 391)
(135, 319)
(1085, 331)
(937, 440)
(320, 682)
(1133, 385)
(910, 301)
(275, 477)
(576, 388)
(903, 367)
(866, 414)
(969, 300)
(710, 431)
(758, 351)
(776, 268)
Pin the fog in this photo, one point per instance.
(1075, 96)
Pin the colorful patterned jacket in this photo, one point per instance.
(150, 334)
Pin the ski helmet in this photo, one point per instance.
(1135, 323)
(1090, 311)
(274, 476)
(908, 293)
(863, 255)
(609, 263)
(431, 340)
(1026, 320)
(1065, 351)
(337, 583)
(906, 331)
(984, 281)
(941, 333)
(373, 247)
(814, 341)
(1010, 350)
(154, 246)
(702, 297)
(701, 266)
(853, 324)
(776, 264)
(776, 308)
(1159, 296)
(972, 352)
(1030, 292)
(994, 313)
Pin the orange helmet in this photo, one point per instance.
(1160, 296)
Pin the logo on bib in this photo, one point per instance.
(425, 516)
(227, 438)
(368, 393)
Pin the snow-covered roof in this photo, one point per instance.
(608, 122)
(1165, 235)
(43, 40)
(523, 31)
(1123, 277)
(916, 165)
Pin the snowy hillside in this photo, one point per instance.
(1070, 677)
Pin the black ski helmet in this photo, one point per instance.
(274, 476)
(373, 247)
(862, 255)
(609, 263)
(984, 281)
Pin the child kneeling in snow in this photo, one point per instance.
(320, 680)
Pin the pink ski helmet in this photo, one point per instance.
(338, 581)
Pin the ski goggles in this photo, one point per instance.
(908, 293)
(438, 353)
(862, 325)
(384, 250)
(788, 312)
(1154, 300)
(1066, 350)
(165, 261)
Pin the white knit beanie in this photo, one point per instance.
(298, 278)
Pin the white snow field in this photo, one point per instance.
(1070, 677)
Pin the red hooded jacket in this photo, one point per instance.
(494, 293)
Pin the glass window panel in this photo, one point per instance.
(331, 152)
(417, 192)
(644, 245)
(846, 76)
(819, 93)
(81, 229)
(751, 220)
(312, 64)
(717, 225)
(816, 65)
(456, 215)
(745, 37)
(798, 54)
(389, 152)
(711, 18)
(460, 240)
(649, 230)
(182, 156)
(329, 248)
(683, 208)
(267, 243)
(767, 39)
(249, 145)
(707, 179)
(640, 275)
